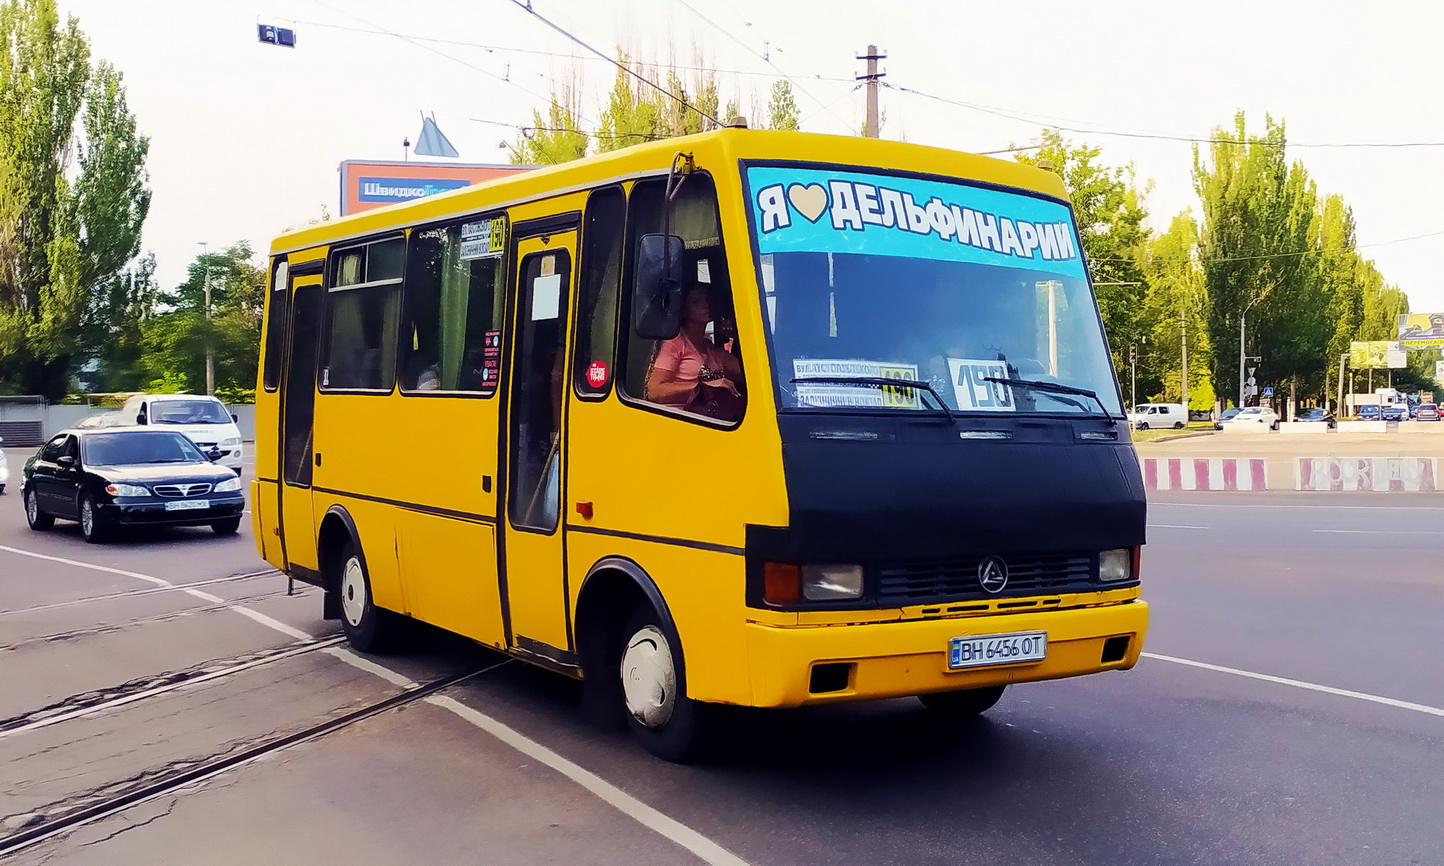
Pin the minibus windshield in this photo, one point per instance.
(979, 293)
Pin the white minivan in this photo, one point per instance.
(1159, 415)
(204, 420)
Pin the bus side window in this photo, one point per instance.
(363, 303)
(601, 280)
(453, 294)
(698, 372)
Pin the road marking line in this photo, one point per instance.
(669, 828)
(1173, 526)
(133, 593)
(1381, 531)
(160, 690)
(643, 814)
(1328, 690)
(1153, 502)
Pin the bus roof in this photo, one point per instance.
(653, 158)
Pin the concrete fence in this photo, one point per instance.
(1205, 473)
(1379, 474)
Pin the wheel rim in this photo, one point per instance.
(32, 507)
(87, 518)
(649, 679)
(353, 591)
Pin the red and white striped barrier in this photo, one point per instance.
(1381, 474)
(1204, 473)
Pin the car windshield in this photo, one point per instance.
(132, 448)
(948, 286)
(188, 412)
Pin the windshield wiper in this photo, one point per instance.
(882, 382)
(1055, 388)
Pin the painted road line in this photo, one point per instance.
(643, 814)
(1152, 502)
(647, 816)
(1380, 531)
(1313, 687)
(131, 593)
(1173, 526)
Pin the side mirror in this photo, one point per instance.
(657, 287)
(140, 418)
(234, 419)
(66, 461)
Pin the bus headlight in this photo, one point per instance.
(1116, 565)
(831, 582)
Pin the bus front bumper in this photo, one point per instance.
(896, 659)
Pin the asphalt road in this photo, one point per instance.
(1290, 710)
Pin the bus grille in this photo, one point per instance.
(957, 579)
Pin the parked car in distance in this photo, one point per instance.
(1427, 412)
(1316, 414)
(113, 477)
(4, 470)
(1254, 416)
(1369, 413)
(93, 422)
(1148, 415)
(1226, 416)
(1396, 412)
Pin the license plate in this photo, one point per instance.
(997, 649)
(187, 505)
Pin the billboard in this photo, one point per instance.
(1377, 355)
(368, 185)
(1421, 330)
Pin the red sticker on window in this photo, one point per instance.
(597, 374)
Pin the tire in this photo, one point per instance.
(1142, 425)
(1178, 426)
(38, 520)
(1274, 426)
(92, 523)
(964, 704)
(661, 717)
(229, 526)
(368, 628)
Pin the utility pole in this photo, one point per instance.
(1133, 383)
(1343, 362)
(872, 57)
(210, 346)
(1184, 321)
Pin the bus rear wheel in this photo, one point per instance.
(368, 628)
(661, 717)
(963, 704)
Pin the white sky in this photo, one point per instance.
(246, 138)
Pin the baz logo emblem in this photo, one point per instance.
(993, 574)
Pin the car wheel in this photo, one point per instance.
(38, 520)
(1274, 426)
(1178, 426)
(367, 627)
(92, 522)
(1142, 425)
(229, 526)
(963, 704)
(661, 717)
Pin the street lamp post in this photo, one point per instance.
(210, 347)
(1241, 318)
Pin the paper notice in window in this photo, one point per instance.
(546, 297)
(972, 389)
(843, 394)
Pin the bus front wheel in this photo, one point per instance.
(367, 627)
(661, 717)
(963, 704)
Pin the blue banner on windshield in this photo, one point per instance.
(835, 211)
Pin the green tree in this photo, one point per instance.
(556, 139)
(1174, 298)
(634, 111)
(1257, 245)
(782, 110)
(175, 340)
(72, 193)
(1109, 211)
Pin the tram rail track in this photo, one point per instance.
(152, 590)
(39, 832)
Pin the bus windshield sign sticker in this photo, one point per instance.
(835, 211)
(972, 389)
(840, 394)
(485, 239)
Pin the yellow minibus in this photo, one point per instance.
(753, 418)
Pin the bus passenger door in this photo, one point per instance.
(298, 527)
(533, 548)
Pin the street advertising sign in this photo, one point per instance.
(1421, 330)
(1377, 355)
(367, 184)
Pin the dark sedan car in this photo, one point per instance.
(108, 478)
(1316, 414)
(1396, 412)
(1226, 416)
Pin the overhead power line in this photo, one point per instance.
(526, 6)
(1159, 136)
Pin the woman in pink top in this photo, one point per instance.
(690, 360)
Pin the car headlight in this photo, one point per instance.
(1116, 565)
(230, 485)
(830, 582)
(233, 442)
(126, 490)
